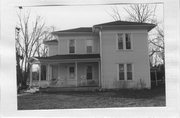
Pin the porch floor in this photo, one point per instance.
(65, 89)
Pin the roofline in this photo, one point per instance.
(73, 33)
(151, 26)
(124, 25)
(66, 30)
(68, 59)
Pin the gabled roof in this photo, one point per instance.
(108, 24)
(81, 29)
(70, 56)
(122, 23)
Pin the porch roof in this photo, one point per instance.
(69, 57)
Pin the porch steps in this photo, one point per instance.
(66, 89)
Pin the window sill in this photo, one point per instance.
(123, 50)
(125, 80)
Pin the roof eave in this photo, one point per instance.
(148, 27)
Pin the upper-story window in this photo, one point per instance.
(89, 46)
(72, 46)
(124, 41)
(120, 41)
(128, 40)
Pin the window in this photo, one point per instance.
(121, 71)
(71, 46)
(124, 41)
(89, 73)
(120, 41)
(89, 46)
(129, 71)
(125, 72)
(128, 41)
(72, 72)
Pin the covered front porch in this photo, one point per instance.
(65, 72)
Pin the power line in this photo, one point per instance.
(56, 5)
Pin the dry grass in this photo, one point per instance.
(68, 100)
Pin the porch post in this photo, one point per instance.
(47, 72)
(30, 75)
(39, 74)
(99, 71)
(76, 74)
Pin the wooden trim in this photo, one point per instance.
(101, 60)
(99, 72)
(70, 60)
(76, 69)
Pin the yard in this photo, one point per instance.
(68, 100)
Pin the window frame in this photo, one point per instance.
(125, 71)
(69, 46)
(118, 41)
(129, 71)
(124, 42)
(87, 45)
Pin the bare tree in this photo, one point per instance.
(156, 45)
(115, 13)
(30, 41)
(145, 13)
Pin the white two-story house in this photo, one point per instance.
(108, 56)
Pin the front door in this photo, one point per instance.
(71, 73)
(71, 80)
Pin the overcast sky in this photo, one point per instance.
(66, 17)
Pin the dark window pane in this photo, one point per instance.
(89, 72)
(129, 71)
(120, 44)
(128, 41)
(129, 75)
(71, 46)
(89, 49)
(121, 71)
(71, 69)
(43, 72)
(71, 72)
(121, 75)
(89, 76)
(71, 49)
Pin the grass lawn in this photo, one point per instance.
(68, 100)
